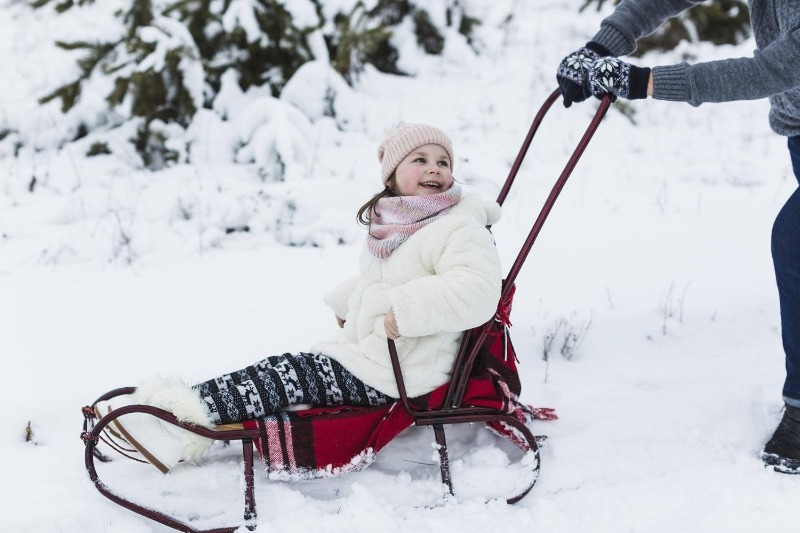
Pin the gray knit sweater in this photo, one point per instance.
(773, 71)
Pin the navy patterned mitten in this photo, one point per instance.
(610, 75)
(573, 70)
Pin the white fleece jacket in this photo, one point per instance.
(443, 280)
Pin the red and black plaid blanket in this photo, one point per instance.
(328, 442)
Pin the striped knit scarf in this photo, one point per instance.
(396, 218)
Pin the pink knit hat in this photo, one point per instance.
(406, 138)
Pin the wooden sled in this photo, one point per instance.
(484, 388)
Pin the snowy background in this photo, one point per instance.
(656, 258)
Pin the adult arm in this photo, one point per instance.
(634, 19)
(770, 71)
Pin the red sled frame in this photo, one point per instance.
(452, 412)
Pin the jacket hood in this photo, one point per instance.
(485, 212)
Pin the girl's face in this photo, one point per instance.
(424, 171)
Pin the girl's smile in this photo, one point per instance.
(424, 171)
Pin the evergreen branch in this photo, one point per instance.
(188, 7)
(118, 93)
(599, 3)
(113, 69)
(140, 14)
(64, 6)
(75, 45)
(98, 54)
(60, 8)
(68, 93)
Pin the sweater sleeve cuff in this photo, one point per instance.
(614, 41)
(598, 48)
(670, 83)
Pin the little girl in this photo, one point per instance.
(428, 272)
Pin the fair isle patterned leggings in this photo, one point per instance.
(280, 381)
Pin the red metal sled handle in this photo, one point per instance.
(556, 190)
(472, 342)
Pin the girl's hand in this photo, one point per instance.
(390, 325)
(340, 321)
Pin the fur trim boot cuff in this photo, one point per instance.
(175, 396)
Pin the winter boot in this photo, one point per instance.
(161, 443)
(782, 451)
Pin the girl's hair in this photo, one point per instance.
(365, 213)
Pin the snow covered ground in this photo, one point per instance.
(656, 254)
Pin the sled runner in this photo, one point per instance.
(325, 442)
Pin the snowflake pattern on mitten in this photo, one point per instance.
(575, 65)
(610, 75)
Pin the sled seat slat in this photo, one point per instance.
(237, 426)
